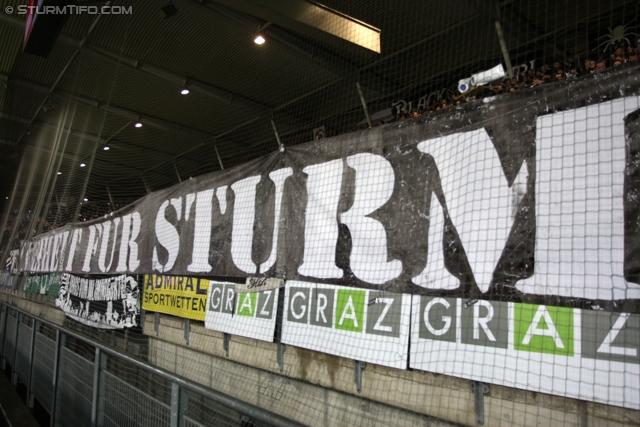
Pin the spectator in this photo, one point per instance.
(559, 71)
(617, 52)
(559, 75)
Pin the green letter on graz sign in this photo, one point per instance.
(350, 310)
(247, 304)
(543, 329)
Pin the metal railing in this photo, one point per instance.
(80, 382)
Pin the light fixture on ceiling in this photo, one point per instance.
(82, 165)
(184, 91)
(169, 10)
(59, 173)
(85, 199)
(105, 148)
(259, 38)
(138, 124)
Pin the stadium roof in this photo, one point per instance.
(108, 71)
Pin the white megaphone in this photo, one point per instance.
(464, 85)
(496, 73)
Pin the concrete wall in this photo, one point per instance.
(319, 389)
(38, 305)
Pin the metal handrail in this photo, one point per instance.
(253, 411)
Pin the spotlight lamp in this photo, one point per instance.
(259, 39)
(106, 148)
(82, 165)
(138, 124)
(184, 91)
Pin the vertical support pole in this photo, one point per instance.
(175, 167)
(96, 387)
(156, 323)
(226, 338)
(14, 374)
(583, 414)
(281, 347)
(144, 180)
(101, 389)
(56, 369)
(219, 159)
(143, 319)
(479, 389)
(113, 206)
(364, 105)
(5, 313)
(280, 356)
(273, 124)
(357, 374)
(184, 407)
(175, 405)
(30, 397)
(505, 51)
(187, 327)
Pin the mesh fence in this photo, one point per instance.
(80, 102)
(345, 225)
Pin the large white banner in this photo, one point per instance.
(488, 199)
(580, 230)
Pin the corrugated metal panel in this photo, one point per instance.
(43, 358)
(10, 340)
(23, 367)
(3, 323)
(119, 397)
(75, 390)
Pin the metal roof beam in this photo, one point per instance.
(196, 86)
(313, 20)
(335, 64)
